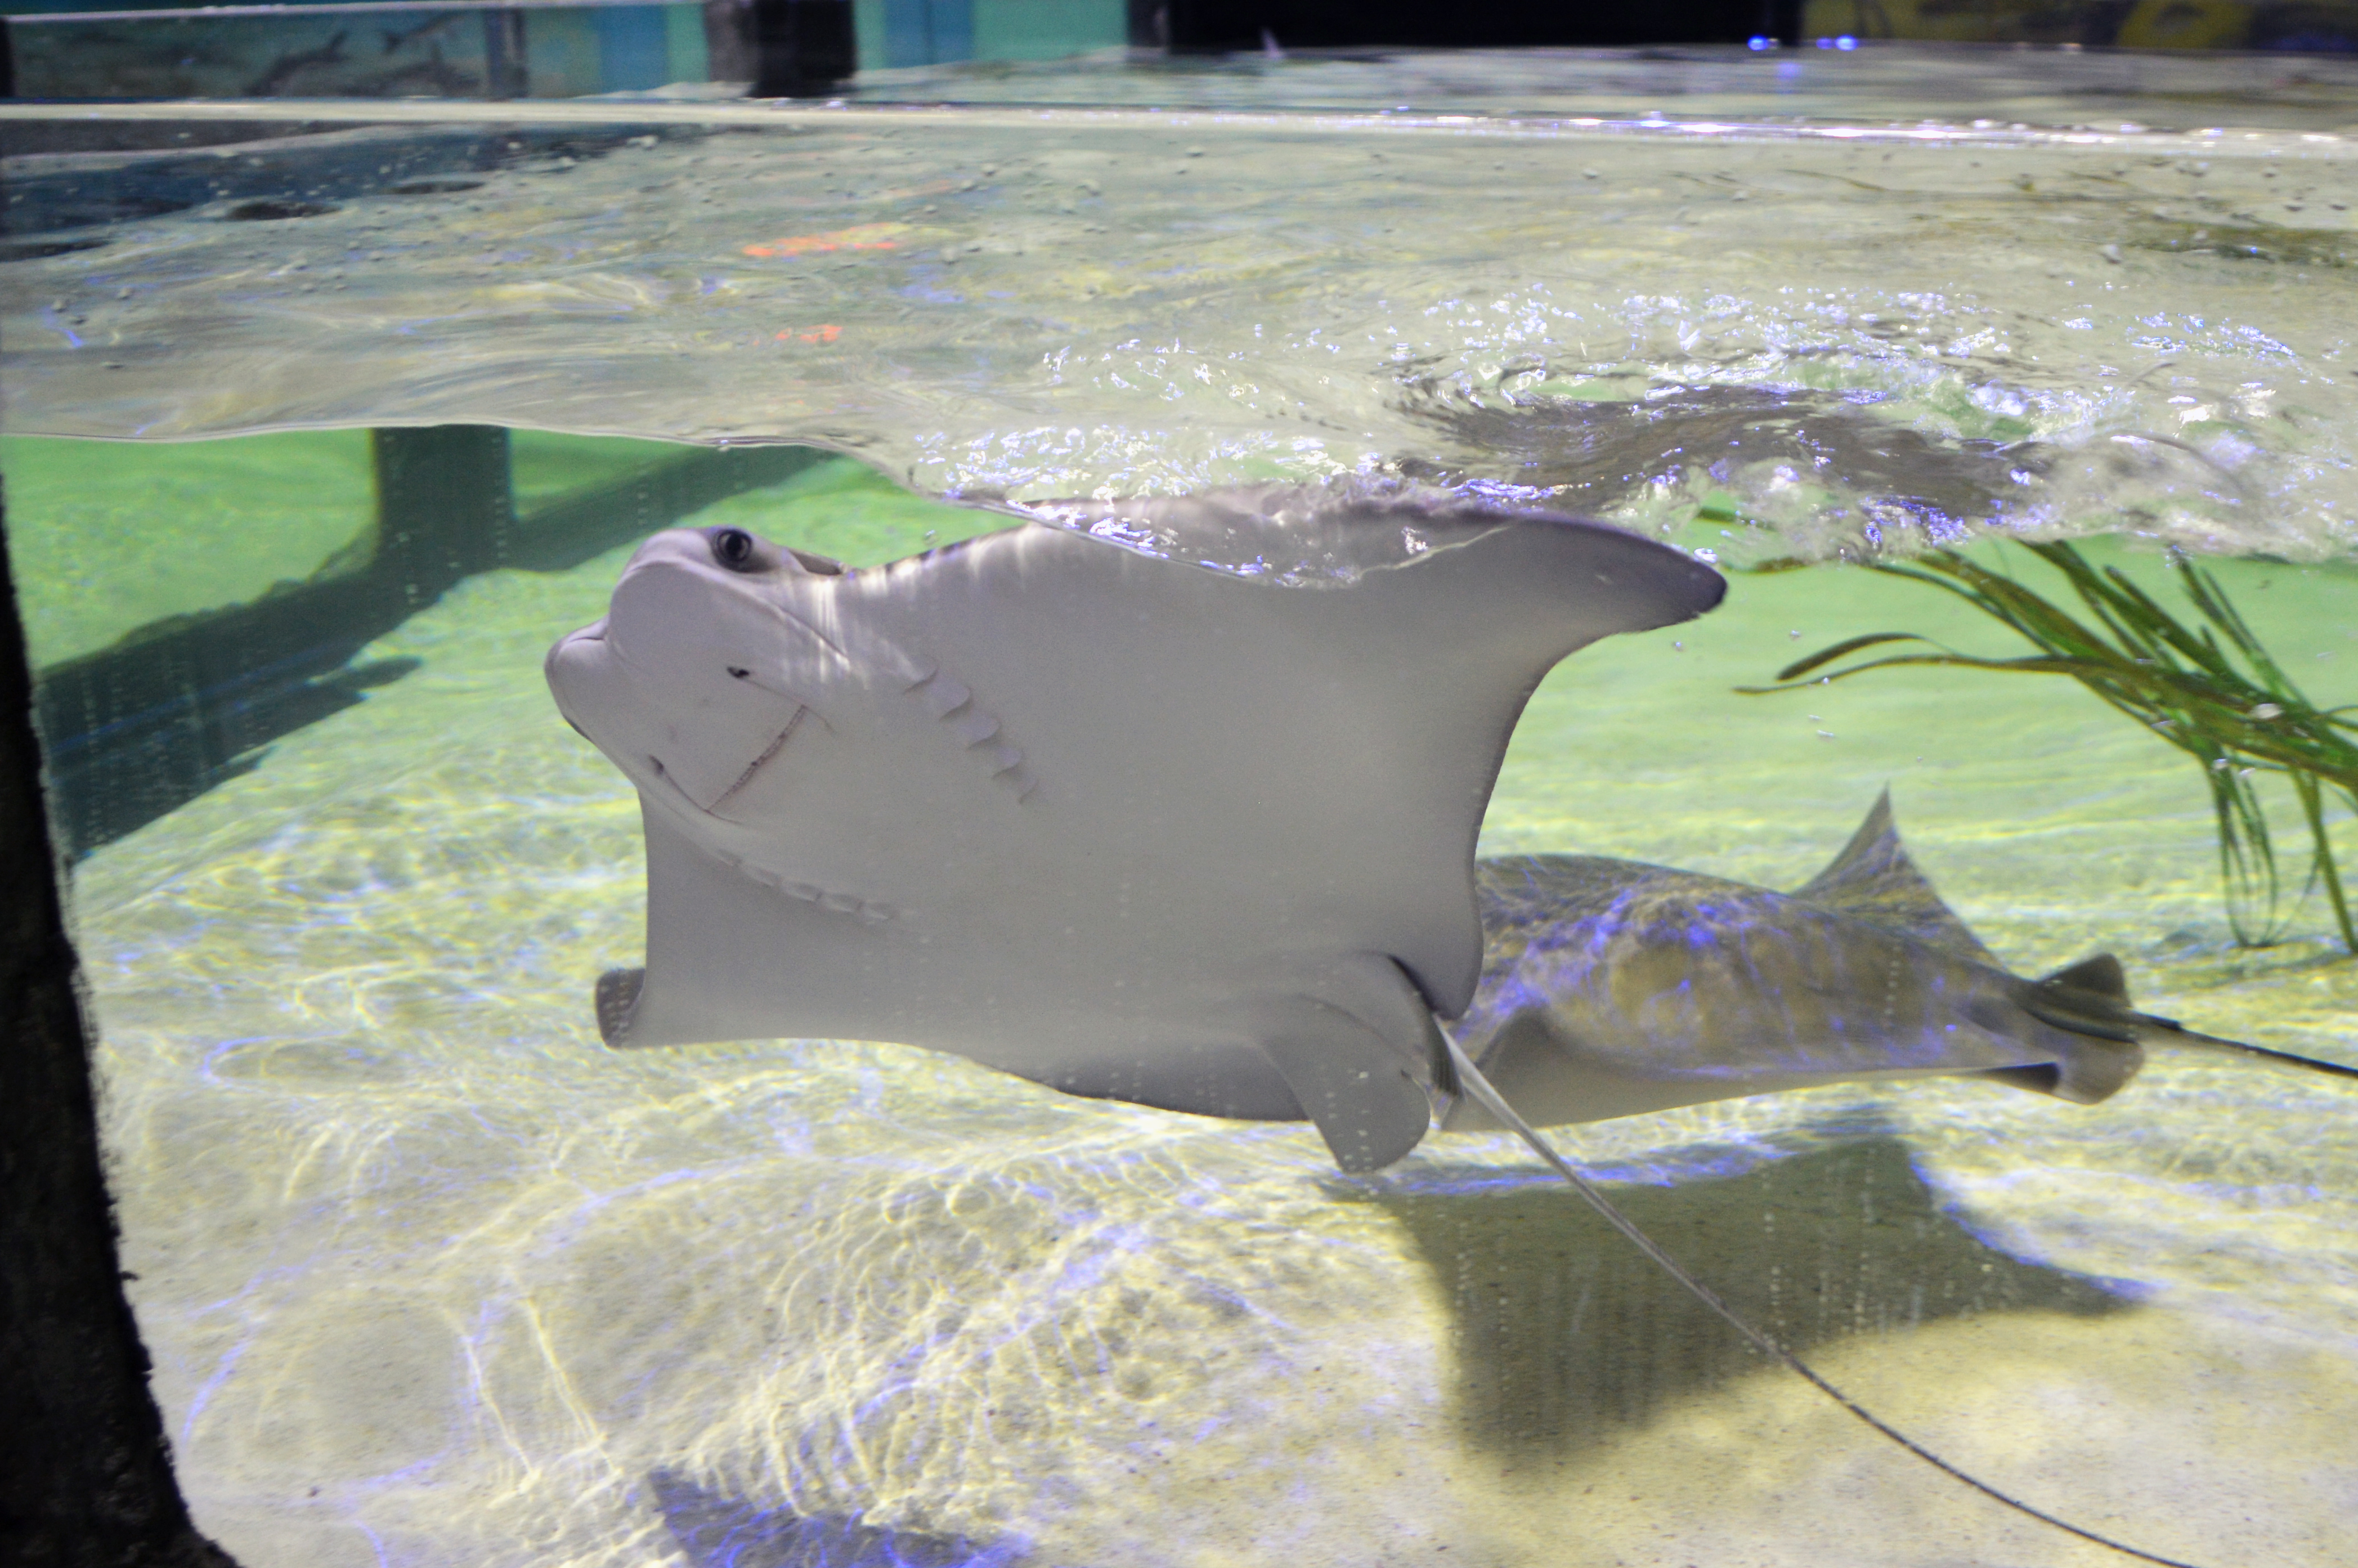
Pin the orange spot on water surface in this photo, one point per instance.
(864, 237)
(825, 334)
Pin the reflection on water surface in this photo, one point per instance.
(1077, 300)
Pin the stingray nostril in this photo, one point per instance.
(740, 674)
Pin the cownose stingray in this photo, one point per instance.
(1168, 801)
(1174, 802)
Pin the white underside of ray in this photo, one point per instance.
(1121, 823)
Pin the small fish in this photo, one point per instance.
(1610, 989)
(394, 37)
(860, 237)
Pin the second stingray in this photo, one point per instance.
(1611, 989)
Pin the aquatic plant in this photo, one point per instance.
(2209, 688)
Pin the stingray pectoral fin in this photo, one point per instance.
(1552, 1081)
(1349, 1081)
(732, 956)
(1543, 1080)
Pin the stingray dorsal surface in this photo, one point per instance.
(2091, 1035)
(1616, 989)
(1063, 800)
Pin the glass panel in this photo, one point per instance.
(368, 50)
(431, 1273)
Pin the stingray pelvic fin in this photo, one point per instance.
(1350, 1081)
(1872, 878)
(2089, 1001)
(2100, 975)
(2091, 998)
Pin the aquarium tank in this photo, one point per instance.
(327, 418)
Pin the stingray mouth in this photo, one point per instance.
(706, 793)
(753, 767)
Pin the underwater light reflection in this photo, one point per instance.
(753, 1296)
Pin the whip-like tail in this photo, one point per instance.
(1470, 1079)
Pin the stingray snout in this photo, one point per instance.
(676, 607)
(566, 664)
(678, 727)
(593, 633)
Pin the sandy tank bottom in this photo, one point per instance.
(430, 1277)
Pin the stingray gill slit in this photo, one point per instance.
(952, 702)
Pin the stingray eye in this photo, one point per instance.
(734, 549)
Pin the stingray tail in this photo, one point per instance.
(2091, 998)
(2169, 1031)
(1470, 1076)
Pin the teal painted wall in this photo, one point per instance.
(1048, 29)
(570, 50)
(895, 33)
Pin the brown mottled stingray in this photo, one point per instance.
(1610, 987)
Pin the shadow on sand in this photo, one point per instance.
(1564, 1334)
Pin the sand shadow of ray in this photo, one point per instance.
(1564, 1334)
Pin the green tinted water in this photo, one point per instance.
(116, 537)
(429, 1270)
